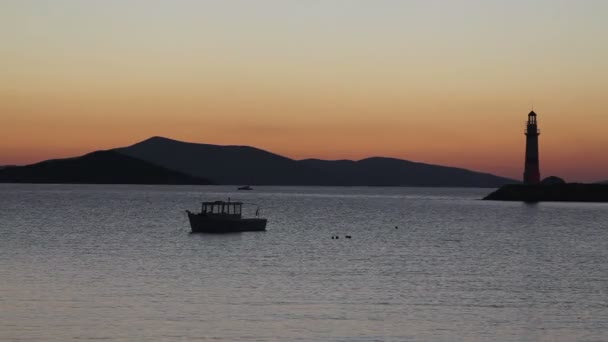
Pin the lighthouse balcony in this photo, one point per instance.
(532, 131)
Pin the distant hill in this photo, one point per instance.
(249, 165)
(222, 164)
(379, 171)
(101, 167)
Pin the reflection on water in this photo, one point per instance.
(118, 262)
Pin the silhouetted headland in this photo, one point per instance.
(101, 167)
(165, 161)
(570, 192)
(237, 165)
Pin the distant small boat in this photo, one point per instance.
(224, 217)
(246, 187)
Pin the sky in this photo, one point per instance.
(442, 82)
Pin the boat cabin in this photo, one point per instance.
(222, 208)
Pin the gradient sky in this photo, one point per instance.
(445, 82)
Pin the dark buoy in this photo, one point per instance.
(348, 236)
(396, 227)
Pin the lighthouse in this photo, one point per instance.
(532, 168)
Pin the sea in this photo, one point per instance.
(118, 263)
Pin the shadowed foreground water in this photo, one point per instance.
(118, 262)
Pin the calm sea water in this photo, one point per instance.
(118, 263)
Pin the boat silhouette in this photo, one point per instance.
(224, 217)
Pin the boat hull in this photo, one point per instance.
(201, 223)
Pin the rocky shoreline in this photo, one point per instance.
(571, 192)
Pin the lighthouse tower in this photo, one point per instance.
(532, 169)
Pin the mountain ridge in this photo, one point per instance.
(238, 164)
(98, 167)
(160, 160)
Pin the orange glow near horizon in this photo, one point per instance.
(447, 84)
(496, 148)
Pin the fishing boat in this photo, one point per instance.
(246, 187)
(224, 217)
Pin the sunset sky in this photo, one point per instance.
(443, 82)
